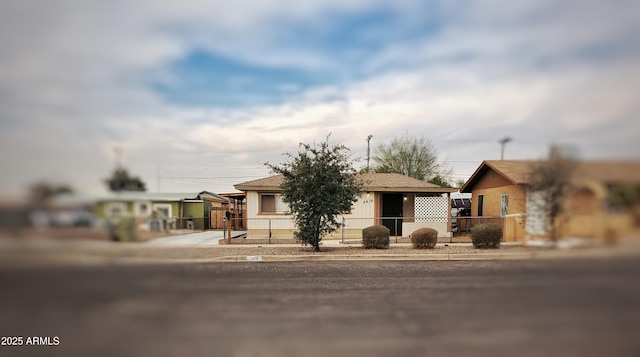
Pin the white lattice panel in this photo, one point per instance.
(431, 209)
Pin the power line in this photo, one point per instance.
(206, 177)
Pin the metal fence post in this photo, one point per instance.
(269, 231)
(395, 221)
(342, 229)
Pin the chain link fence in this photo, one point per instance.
(351, 228)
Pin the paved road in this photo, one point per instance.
(416, 308)
(201, 239)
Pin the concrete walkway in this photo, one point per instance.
(200, 239)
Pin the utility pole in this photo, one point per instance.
(502, 143)
(119, 153)
(368, 150)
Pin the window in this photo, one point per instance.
(272, 203)
(504, 209)
(480, 204)
(163, 209)
(142, 209)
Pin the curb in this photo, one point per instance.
(419, 257)
(66, 259)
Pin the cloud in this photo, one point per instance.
(79, 78)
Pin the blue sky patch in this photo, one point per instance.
(346, 41)
(210, 80)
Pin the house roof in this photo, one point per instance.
(398, 182)
(517, 171)
(376, 182)
(163, 196)
(514, 171)
(612, 172)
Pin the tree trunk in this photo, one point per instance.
(316, 235)
(553, 228)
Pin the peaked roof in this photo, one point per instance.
(398, 182)
(517, 171)
(514, 171)
(385, 182)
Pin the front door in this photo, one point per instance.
(392, 212)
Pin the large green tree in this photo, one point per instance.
(412, 156)
(320, 183)
(120, 180)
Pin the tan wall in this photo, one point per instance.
(491, 179)
(598, 225)
(586, 217)
(409, 208)
(514, 228)
(360, 216)
(493, 200)
(289, 233)
(491, 186)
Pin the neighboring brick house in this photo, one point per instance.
(399, 202)
(499, 188)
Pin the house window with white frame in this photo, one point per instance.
(271, 203)
(142, 209)
(164, 209)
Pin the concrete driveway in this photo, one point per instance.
(200, 239)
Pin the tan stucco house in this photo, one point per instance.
(499, 189)
(401, 203)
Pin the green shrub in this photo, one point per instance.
(486, 235)
(376, 237)
(424, 238)
(123, 230)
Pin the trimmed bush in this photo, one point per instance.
(376, 237)
(424, 238)
(124, 230)
(486, 235)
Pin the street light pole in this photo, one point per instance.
(368, 150)
(502, 143)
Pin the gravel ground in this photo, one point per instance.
(243, 241)
(288, 250)
(279, 250)
(51, 250)
(25, 252)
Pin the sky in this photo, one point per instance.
(198, 95)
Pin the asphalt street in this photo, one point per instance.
(577, 307)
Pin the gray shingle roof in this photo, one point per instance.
(389, 182)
